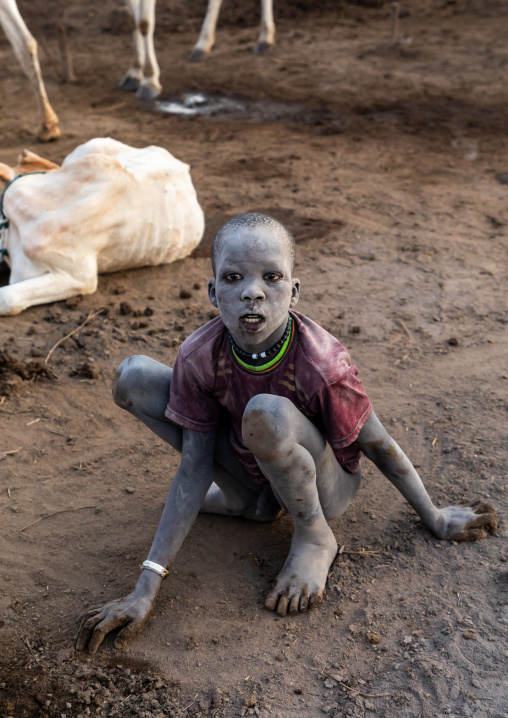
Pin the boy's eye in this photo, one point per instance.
(273, 276)
(232, 277)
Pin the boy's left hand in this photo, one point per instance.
(466, 523)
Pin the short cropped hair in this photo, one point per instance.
(252, 220)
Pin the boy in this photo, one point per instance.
(267, 412)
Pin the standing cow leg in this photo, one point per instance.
(207, 35)
(132, 78)
(25, 49)
(266, 37)
(150, 87)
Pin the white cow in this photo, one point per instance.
(108, 207)
(143, 74)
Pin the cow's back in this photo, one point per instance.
(127, 207)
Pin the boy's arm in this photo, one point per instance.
(186, 495)
(461, 523)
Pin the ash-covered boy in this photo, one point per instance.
(268, 413)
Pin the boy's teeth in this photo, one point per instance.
(251, 320)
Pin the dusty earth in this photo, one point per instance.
(384, 162)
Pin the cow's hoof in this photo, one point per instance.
(197, 55)
(49, 134)
(262, 48)
(148, 92)
(129, 83)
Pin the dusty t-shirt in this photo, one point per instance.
(315, 374)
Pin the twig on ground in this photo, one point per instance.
(90, 316)
(12, 451)
(190, 704)
(54, 513)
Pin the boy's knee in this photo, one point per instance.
(265, 425)
(128, 378)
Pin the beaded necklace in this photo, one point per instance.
(257, 362)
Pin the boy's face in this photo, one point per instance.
(253, 288)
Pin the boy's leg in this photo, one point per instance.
(305, 474)
(141, 386)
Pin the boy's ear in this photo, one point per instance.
(211, 292)
(295, 293)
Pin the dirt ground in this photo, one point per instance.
(384, 162)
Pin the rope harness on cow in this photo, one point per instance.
(4, 222)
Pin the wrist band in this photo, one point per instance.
(155, 567)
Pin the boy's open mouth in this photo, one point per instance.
(252, 322)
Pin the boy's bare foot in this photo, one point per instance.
(467, 523)
(301, 583)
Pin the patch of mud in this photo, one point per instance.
(13, 373)
(191, 104)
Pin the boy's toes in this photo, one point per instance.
(272, 599)
(315, 599)
(282, 607)
(294, 604)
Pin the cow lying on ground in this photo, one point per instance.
(108, 207)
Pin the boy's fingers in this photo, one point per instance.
(82, 638)
(129, 632)
(107, 625)
(472, 534)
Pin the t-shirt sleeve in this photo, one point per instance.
(191, 403)
(344, 408)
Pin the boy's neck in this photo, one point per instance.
(267, 345)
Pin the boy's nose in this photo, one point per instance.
(253, 291)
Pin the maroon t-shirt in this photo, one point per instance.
(316, 375)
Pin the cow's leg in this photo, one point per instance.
(132, 78)
(206, 38)
(266, 37)
(25, 49)
(50, 287)
(150, 87)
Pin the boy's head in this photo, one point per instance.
(253, 286)
(252, 222)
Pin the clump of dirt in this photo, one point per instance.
(70, 686)
(86, 371)
(13, 373)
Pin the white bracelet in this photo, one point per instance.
(155, 567)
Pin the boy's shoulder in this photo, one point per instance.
(320, 350)
(204, 339)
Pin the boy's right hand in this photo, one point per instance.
(133, 612)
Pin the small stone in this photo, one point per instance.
(369, 705)
(281, 657)
(249, 701)
(454, 693)
(148, 312)
(356, 329)
(120, 289)
(130, 489)
(329, 683)
(373, 637)
(407, 640)
(185, 294)
(354, 629)
(453, 342)
(197, 285)
(470, 635)
(125, 308)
